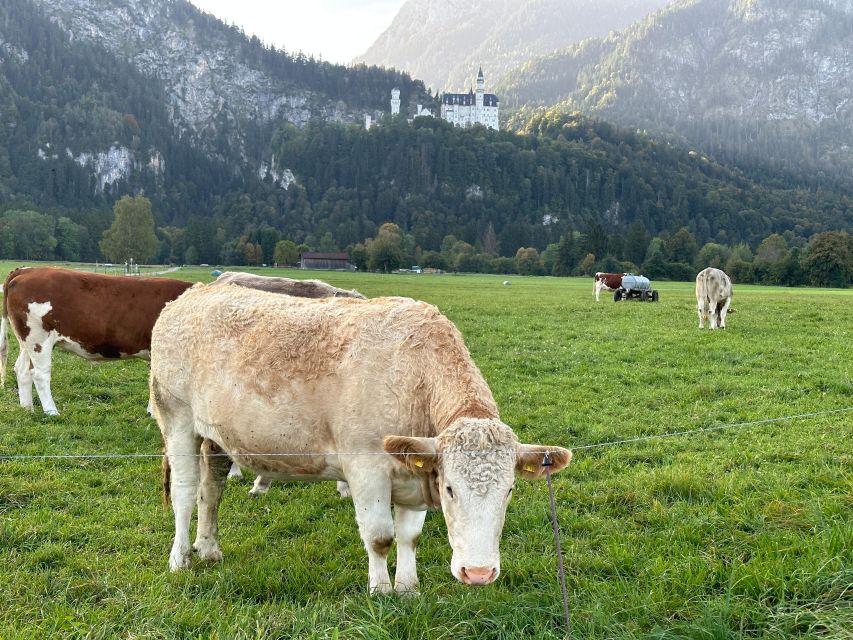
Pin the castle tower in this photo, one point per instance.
(395, 101)
(478, 101)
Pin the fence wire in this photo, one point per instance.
(585, 447)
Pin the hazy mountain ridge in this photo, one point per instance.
(745, 78)
(445, 42)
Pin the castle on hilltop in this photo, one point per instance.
(468, 109)
(460, 109)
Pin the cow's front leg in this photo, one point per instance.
(261, 486)
(213, 471)
(408, 525)
(701, 308)
(235, 472)
(372, 500)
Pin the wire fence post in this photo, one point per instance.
(546, 462)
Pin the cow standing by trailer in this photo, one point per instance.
(713, 297)
(609, 281)
(381, 393)
(97, 317)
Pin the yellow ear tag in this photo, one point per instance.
(419, 463)
(530, 468)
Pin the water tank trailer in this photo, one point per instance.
(635, 288)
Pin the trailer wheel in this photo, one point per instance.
(655, 296)
(617, 295)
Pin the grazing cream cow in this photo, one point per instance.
(289, 286)
(381, 393)
(95, 316)
(713, 297)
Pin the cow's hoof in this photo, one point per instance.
(179, 561)
(209, 554)
(407, 589)
(343, 489)
(51, 412)
(381, 588)
(258, 491)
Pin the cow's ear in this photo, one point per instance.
(529, 459)
(416, 454)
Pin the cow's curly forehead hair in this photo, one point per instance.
(479, 449)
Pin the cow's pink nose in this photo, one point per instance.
(478, 575)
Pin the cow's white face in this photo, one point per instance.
(473, 464)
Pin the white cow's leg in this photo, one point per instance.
(701, 307)
(41, 357)
(24, 373)
(213, 471)
(182, 448)
(408, 525)
(714, 314)
(723, 312)
(371, 497)
(261, 486)
(343, 489)
(597, 290)
(235, 472)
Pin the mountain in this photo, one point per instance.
(444, 42)
(767, 81)
(155, 96)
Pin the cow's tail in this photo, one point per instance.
(4, 322)
(166, 479)
(4, 343)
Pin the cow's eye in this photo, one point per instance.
(449, 491)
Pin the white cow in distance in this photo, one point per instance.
(380, 393)
(713, 297)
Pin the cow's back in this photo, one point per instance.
(287, 286)
(107, 316)
(266, 372)
(713, 285)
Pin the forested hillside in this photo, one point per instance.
(754, 82)
(84, 127)
(96, 107)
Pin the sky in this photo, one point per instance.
(336, 30)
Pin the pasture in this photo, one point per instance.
(740, 533)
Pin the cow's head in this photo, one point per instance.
(473, 465)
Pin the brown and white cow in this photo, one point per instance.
(713, 297)
(609, 281)
(287, 286)
(381, 393)
(95, 316)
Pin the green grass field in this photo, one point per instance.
(741, 533)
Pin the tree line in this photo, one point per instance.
(825, 260)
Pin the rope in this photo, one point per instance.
(561, 570)
(734, 425)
